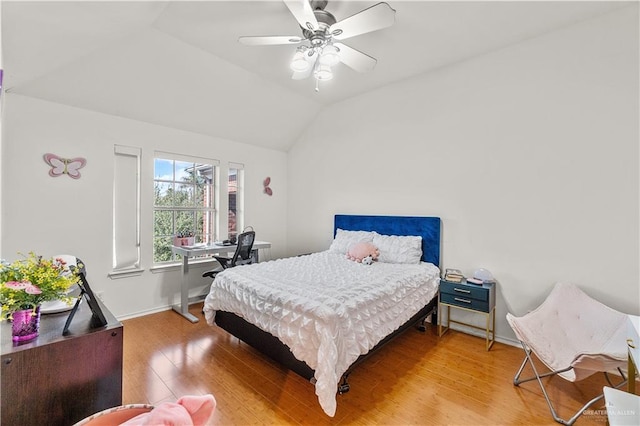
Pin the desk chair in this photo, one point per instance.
(242, 255)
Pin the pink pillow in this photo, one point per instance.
(359, 251)
(188, 410)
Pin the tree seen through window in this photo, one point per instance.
(183, 204)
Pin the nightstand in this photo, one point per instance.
(478, 298)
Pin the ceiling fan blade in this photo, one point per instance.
(355, 59)
(269, 40)
(301, 10)
(374, 18)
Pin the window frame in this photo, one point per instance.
(194, 209)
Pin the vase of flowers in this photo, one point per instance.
(25, 284)
(25, 324)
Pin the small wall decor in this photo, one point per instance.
(266, 183)
(64, 166)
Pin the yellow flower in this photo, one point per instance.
(28, 282)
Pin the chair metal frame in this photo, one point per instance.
(517, 381)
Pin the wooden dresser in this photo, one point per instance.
(59, 380)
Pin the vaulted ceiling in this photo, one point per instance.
(179, 63)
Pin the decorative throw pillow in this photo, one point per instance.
(360, 251)
(398, 249)
(345, 239)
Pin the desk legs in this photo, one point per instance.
(183, 309)
(631, 372)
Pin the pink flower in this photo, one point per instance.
(17, 285)
(32, 289)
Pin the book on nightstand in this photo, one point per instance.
(453, 275)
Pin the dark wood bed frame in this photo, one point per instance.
(426, 227)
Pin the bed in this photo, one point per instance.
(321, 314)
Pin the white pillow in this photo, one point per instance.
(398, 249)
(345, 239)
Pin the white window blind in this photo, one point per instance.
(236, 198)
(126, 209)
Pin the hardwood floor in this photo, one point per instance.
(418, 379)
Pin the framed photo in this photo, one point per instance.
(97, 316)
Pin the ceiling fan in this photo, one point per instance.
(320, 44)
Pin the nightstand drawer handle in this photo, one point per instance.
(461, 290)
(457, 299)
(630, 343)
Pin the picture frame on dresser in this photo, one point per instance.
(97, 318)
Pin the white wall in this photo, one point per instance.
(61, 215)
(529, 155)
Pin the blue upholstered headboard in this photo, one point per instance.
(426, 227)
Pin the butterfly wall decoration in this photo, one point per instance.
(64, 166)
(266, 184)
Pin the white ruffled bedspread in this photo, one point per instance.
(328, 310)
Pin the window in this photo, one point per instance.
(184, 202)
(235, 190)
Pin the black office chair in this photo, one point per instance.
(242, 255)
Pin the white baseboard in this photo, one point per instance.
(194, 299)
(481, 334)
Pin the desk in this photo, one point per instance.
(190, 251)
(622, 408)
(60, 380)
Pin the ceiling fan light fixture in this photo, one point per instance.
(323, 72)
(299, 62)
(323, 36)
(329, 55)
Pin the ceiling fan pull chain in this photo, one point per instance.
(317, 85)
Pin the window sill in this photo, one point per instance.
(125, 273)
(176, 266)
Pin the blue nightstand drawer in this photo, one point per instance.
(471, 297)
(469, 291)
(464, 302)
